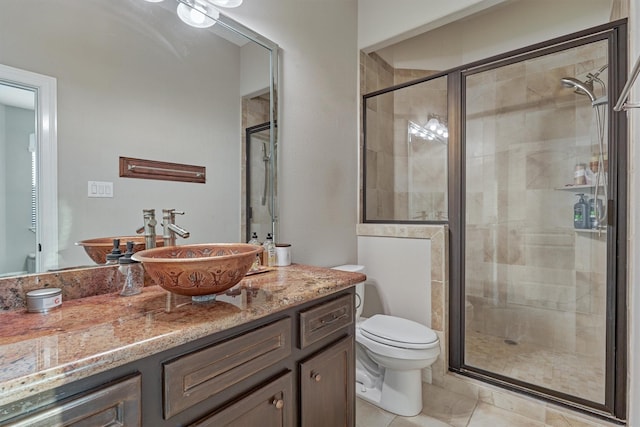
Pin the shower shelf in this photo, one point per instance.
(577, 187)
(589, 231)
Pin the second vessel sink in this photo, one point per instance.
(98, 248)
(199, 269)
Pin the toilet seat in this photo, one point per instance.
(398, 332)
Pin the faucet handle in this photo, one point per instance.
(140, 230)
(172, 212)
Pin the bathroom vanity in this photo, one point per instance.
(277, 350)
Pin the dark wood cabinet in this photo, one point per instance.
(269, 406)
(115, 404)
(196, 376)
(327, 387)
(294, 367)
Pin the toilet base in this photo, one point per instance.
(400, 392)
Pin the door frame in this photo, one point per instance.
(45, 90)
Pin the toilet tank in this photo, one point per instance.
(359, 286)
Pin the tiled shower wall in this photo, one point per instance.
(377, 74)
(404, 180)
(420, 164)
(534, 279)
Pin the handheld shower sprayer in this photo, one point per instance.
(586, 88)
(582, 88)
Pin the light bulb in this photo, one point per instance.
(226, 3)
(196, 16)
(439, 131)
(445, 134)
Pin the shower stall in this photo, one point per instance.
(541, 288)
(531, 181)
(536, 300)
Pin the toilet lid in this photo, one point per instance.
(398, 332)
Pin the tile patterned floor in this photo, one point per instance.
(563, 371)
(444, 408)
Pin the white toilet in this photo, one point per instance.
(390, 355)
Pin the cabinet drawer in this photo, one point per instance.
(270, 405)
(322, 320)
(195, 377)
(117, 404)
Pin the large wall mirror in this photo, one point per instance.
(133, 80)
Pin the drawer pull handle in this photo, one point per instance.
(332, 319)
(316, 377)
(278, 403)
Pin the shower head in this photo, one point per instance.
(582, 88)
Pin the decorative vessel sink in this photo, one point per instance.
(97, 249)
(198, 270)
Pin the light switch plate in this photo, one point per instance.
(100, 189)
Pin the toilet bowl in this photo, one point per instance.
(390, 355)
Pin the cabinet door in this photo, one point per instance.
(116, 404)
(269, 406)
(327, 387)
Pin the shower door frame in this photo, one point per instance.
(614, 407)
(249, 208)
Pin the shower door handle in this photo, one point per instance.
(611, 213)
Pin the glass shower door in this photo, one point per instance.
(258, 182)
(536, 181)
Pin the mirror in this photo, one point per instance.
(133, 80)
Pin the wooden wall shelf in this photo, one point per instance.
(153, 169)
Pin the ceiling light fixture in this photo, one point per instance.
(434, 130)
(226, 3)
(197, 14)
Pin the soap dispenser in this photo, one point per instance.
(131, 272)
(115, 254)
(254, 241)
(581, 213)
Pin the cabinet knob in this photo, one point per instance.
(278, 403)
(316, 377)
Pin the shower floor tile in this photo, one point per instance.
(566, 372)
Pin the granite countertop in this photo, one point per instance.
(90, 335)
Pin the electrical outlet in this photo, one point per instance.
(100, 189)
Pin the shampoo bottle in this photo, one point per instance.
(595, 210)
(581, 213)
(269, 251)
(254, 241)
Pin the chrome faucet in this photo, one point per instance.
(169, 227)
(149, 228)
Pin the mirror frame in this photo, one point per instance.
(274, 52)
